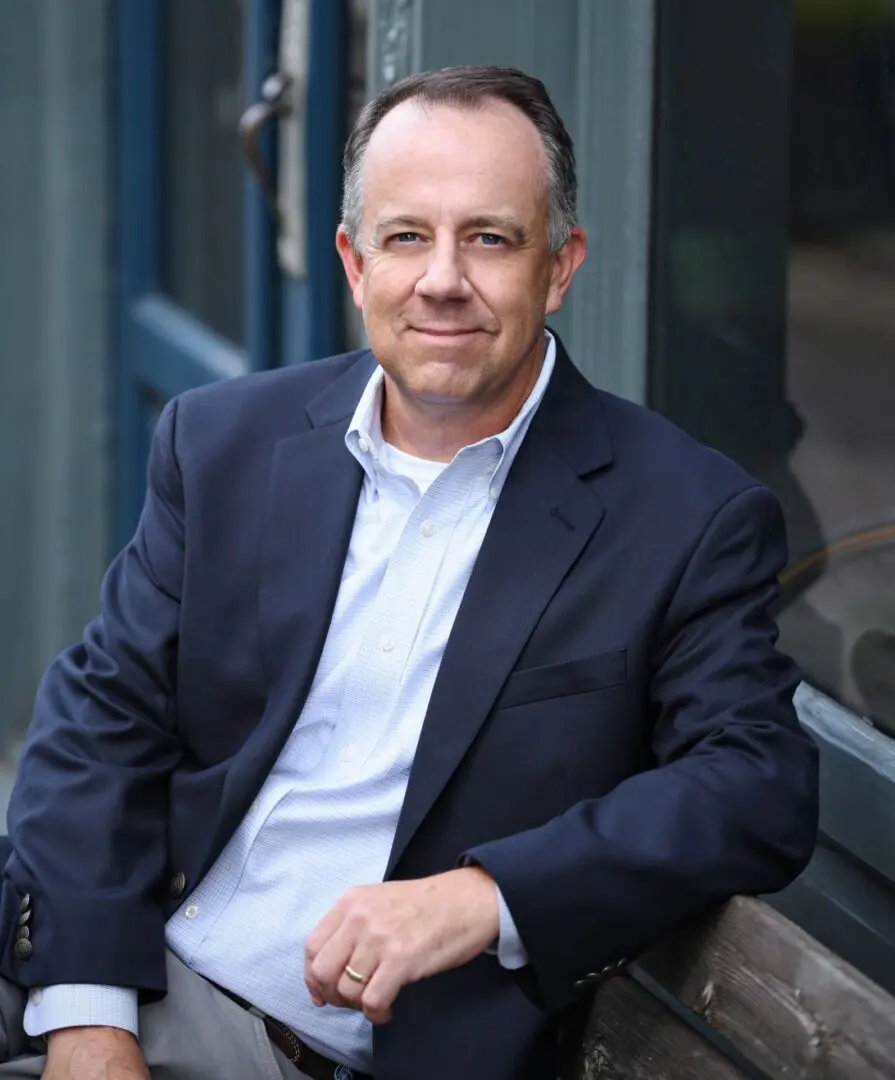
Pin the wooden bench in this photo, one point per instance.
(742, 994)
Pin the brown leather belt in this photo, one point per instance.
(314, 1065)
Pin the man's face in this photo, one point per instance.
(454, 273)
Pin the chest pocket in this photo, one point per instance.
(600, 672)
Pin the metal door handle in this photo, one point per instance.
(285, 99)
(277, 103)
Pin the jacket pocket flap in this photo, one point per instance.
(558, 680)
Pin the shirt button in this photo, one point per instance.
(192, 911)
(35, 997)
(348, 753)
(363, 445)
(494, 493)
(386, 643)
(428, 528)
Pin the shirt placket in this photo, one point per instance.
(382, 660)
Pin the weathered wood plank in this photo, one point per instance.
(631, 1035)
(776, 994)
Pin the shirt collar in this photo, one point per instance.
(364, 435)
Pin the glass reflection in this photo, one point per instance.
(201, 164)
(839, 616)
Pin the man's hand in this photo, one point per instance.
(94, 1053)
(397, 933)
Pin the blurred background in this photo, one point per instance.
(170, 173)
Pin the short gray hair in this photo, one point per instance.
(470, 88)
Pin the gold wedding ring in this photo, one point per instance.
(355, 976)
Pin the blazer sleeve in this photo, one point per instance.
(731, 805)
(88, 814)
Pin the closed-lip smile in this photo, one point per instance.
(442, 332)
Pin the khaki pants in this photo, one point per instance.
(194, 1033)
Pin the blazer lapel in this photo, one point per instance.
(543, 519)
(314, 487)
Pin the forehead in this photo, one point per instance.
(445, 156)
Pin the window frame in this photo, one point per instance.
(846, 898)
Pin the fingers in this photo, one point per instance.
(325, 966)
(341, 971)
(366, 982)
(379, 994)
(327, 926)
(394, 933)
(352, 946)
(351, 989)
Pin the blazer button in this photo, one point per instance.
(23, 947)
(178, 884)
(584, 984)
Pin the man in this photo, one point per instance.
(433, 686)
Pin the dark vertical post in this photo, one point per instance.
(327, 98)
(262, 24)
(720, 225)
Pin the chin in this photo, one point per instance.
(443, 386)
(439, 391)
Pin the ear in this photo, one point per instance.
(353, 263)
(565, 265)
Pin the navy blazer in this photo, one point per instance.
(611, 733)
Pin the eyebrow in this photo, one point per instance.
(484, 222)
(401, 221)
(499, 221)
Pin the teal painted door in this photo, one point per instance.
(201, 293)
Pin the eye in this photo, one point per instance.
(491, 240)
(405, 237)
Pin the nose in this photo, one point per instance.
(444, 277)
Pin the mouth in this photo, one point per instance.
(445, 335)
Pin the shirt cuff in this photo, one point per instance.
(81, 1005)
(510, 951)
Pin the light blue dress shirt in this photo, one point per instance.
(326, 816)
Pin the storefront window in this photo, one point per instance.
(839, 618)
(773, 293)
